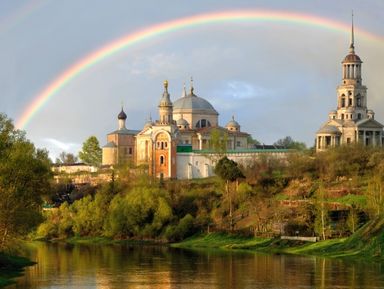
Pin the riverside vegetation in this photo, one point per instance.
(337, 196)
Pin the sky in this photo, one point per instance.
(277, 78)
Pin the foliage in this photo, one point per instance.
(91, 152)
(66, 159)
(375, 195)
(289, 143)
(228, 170)
(24, 179)
(182, 230)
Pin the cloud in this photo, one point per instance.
(55, 147)
(243, 90)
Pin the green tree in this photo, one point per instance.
(91, 152)
(321, 212)
(229, 171)
(24, 178)
(375, 195)
(289, 143)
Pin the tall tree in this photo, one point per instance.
(228, 171)
(24, 178)
(91, 152)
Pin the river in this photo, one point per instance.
(64, 266)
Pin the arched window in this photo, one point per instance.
(358, 101)
(342, 116)
(203, 123)
(162, 145)
(343, 102)
(359, 116)
(162, 160)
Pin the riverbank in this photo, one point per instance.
(365, 244)
(11, 267)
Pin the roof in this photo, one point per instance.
(352, 57)
(193, 102)
(370, 123)
(122, 115)
(125, 131)
(329, 129)
(110, 145)
(233, 123)
(207, 130)
(182, 121)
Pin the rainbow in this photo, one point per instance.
(20, 15)
(168, 27)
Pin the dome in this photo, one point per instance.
(182, 122)
(122, 115)
(193, 102)
(329, 129)
(352, 57)
(233, 123)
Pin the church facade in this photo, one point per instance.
(179, 144)
(352, 121)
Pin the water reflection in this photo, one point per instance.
(127, 266)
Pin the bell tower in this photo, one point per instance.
(165, 107)
(351, 93)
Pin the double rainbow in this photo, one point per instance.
(168, 27)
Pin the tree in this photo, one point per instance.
(228, 171)
(91, 152)
(24, 178)
(66, 159)
(375, 195)
(321, 218)
(289, 143)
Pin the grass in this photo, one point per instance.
(11, 267)
(365, 244)
(221, 241)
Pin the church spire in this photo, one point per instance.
(352, 45)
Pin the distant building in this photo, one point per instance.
(352, 122)
(179, 144)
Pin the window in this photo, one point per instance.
(238, 143)
(162, 145)
(348, 140)
(162, 160)
(342, 116)
(130, 151)
(358, 100)
(165, 144)
(343, 102)
(350, 102)
(203, 123)
(186, 141)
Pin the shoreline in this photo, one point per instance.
(12, 267)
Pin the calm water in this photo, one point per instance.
(125, 266)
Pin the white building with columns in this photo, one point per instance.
(352, 121)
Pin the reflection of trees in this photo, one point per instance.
(126, 266)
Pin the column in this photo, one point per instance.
(374, 138)
(200, 143)
(364, 138)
